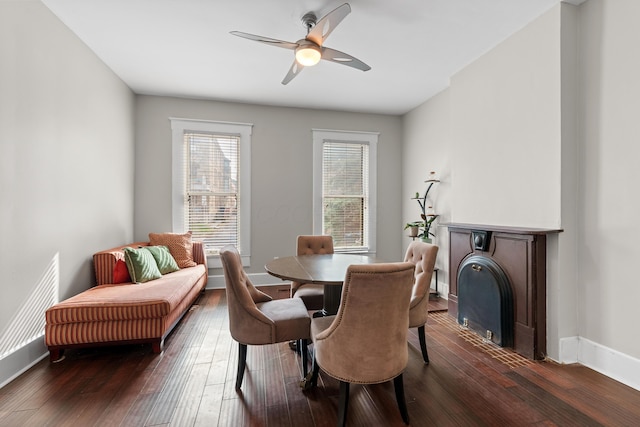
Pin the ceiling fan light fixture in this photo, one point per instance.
(308, 55)
(311, 49)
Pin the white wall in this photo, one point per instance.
(66, 181)
(281, 170)
(562, 249)
(562, 93)
(609, 173)
(494, 137)
(426, 148)
(505, 118)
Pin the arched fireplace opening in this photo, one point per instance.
(485, 300)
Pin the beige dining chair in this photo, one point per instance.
(312, 295)
(256, 319)
(423, 256)
(365, 342)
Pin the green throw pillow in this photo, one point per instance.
(141, 265)
(166, 263)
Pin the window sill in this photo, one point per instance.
(358, 251)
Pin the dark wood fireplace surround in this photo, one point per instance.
(522, 255)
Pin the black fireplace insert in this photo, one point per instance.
(485, 300)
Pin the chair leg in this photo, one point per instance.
(315, 371)
(343, 403)
(310, 379)
(402, 404)
(242, 363)
(423, 344)
(303, 345)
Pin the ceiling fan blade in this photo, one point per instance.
(328, 23)
(344, 59)
(267, 40)
(293, 71)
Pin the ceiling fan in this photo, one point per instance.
(310, 50)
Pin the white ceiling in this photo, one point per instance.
(183, 47)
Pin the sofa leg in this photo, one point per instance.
(55, 354)
(157, 346)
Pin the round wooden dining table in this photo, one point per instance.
(328, 270)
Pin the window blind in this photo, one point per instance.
(211, 196)
(345, 178)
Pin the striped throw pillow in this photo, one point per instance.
(141, 265)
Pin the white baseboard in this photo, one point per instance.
(609, 362)
(258, 279)
(18, 362)
(443, 290)
(569, 350)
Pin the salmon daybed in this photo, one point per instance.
(113, 313)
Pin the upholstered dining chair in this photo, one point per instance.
(312, 295)
(365, 342)
(423, 256)
(256, 319)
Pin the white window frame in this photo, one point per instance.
(337, 136)
(244, 130)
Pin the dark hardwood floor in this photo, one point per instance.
(468, 383)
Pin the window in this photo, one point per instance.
(344, 188)
(211, 184)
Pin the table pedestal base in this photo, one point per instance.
(332, 295)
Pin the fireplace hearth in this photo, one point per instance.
(497, 284)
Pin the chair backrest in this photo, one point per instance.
(309, 245)
(423, 256)
(366, 342)
(248, 325)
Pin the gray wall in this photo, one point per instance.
(67, 185)
(281, 170)
(66, 169)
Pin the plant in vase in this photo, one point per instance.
(414, 228)
(427, 213)
(426, 233)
